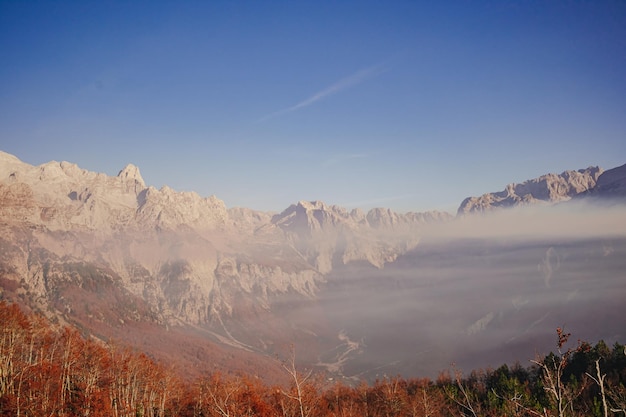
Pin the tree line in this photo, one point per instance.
(51, 370)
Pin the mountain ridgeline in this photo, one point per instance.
(175, 274)
(175, 249)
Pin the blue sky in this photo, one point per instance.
(408, 105)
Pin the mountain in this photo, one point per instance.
(610, 185)
(549, 188)
(108, 252)
(192, 282)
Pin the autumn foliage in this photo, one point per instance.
(50, 370)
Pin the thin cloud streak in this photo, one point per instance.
(347, 82)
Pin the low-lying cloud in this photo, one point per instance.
(571, 220)
(484, 290)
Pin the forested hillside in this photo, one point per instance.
(47, 369)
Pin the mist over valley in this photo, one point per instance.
(359, 295)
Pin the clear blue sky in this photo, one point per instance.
(409, 105)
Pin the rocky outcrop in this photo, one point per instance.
(168, 209)
(550, 188)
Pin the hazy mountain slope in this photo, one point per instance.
(611, 184)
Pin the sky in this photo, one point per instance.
(408, 105)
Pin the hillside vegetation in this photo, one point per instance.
(47, 369)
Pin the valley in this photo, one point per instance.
(358, 295)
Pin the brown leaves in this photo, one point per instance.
(49, 370)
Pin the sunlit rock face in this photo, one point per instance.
(549, 188)
(188, 256)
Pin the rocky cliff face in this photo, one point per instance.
(188, 257)
(549, 188)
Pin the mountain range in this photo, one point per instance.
(207, 287)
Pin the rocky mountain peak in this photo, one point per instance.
(311, 205)
(309, 217)
(549, 188)
(131, 172)
(382, 217)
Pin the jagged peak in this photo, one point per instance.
(131, 172)
(381, 211)
(590, 169)
(547, 188)
(166, 189)
(312, 205)
(68, 165)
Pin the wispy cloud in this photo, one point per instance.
(347, 82)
